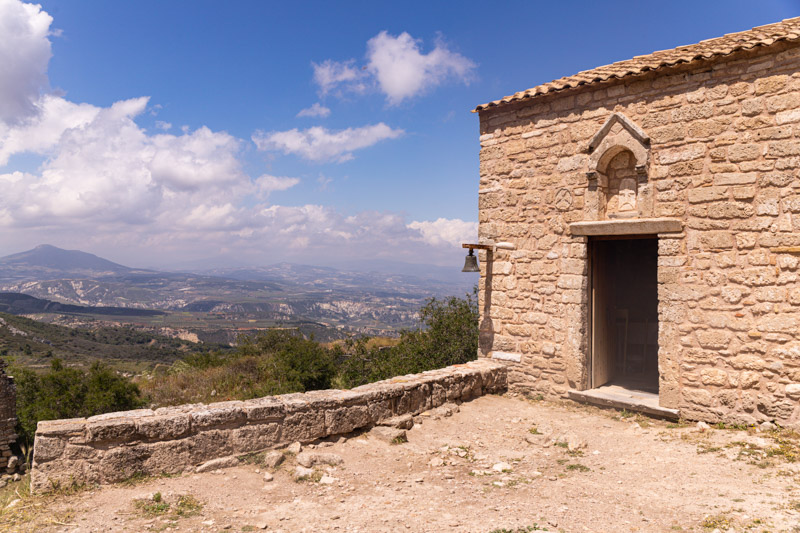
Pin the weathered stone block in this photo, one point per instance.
(164, 427)
(47, 448)
(111, 430)
(121, 463)
(303, 426)
(256, 437)
(347, 419)
(260, 409)
(219, 414)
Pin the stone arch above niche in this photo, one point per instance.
(618, 186)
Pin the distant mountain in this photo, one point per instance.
(48, 262)
(366, 301)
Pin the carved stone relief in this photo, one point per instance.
(618, 186)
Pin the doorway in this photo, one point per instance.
(624, 312)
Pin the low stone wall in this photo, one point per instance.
(8, 419)
(115, 446)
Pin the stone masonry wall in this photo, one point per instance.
(8, 418)
(724, 156)
(113, 447)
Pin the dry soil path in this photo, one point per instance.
(498, 464)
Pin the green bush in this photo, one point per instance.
(448, 335)
(64, 392)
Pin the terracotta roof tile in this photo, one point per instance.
(786, 30)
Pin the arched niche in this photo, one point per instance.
(618, 186)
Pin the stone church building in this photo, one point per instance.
(653, 208)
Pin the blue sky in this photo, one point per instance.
(170, 133)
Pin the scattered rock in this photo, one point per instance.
(437, 461)
(390, 435)
(400, 422)
(327, 480)
(767, 426)
(575, 443)
(13, 462)
(309, 459)
(294, 448)
(268, 477)
(214, 464)
(273, 459)
(448, 409)
(702, 426)
(301, 471)
(501, 467)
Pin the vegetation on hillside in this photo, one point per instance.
(29, 343)
(274, 362)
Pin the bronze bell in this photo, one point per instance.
(471, 263)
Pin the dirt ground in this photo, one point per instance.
(499, 464)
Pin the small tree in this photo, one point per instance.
(64, 392)
(448, 335)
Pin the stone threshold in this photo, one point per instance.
(621, 398)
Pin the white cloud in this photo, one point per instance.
(315, 110)
(446, 232)
(397, 67)
(109, 169)
(402, 71)
(320, 144)
(330, 74)
(107, 184)
(41, 132)
(267, 184)
(24, 55)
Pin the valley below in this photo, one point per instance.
(75, 290)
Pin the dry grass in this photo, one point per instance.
(237, 379)
(22, 511)
(373, 342)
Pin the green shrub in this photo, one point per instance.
(64, 392)
(448, 335)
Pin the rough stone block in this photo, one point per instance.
(164, 427)
(113, 429)
(256, 437)
(47, 448)
(260, 409)
(219, 414)
(121, 463)
(347, 419)
(303, 426)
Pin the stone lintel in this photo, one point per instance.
(640, 226)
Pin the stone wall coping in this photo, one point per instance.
(640, 226)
